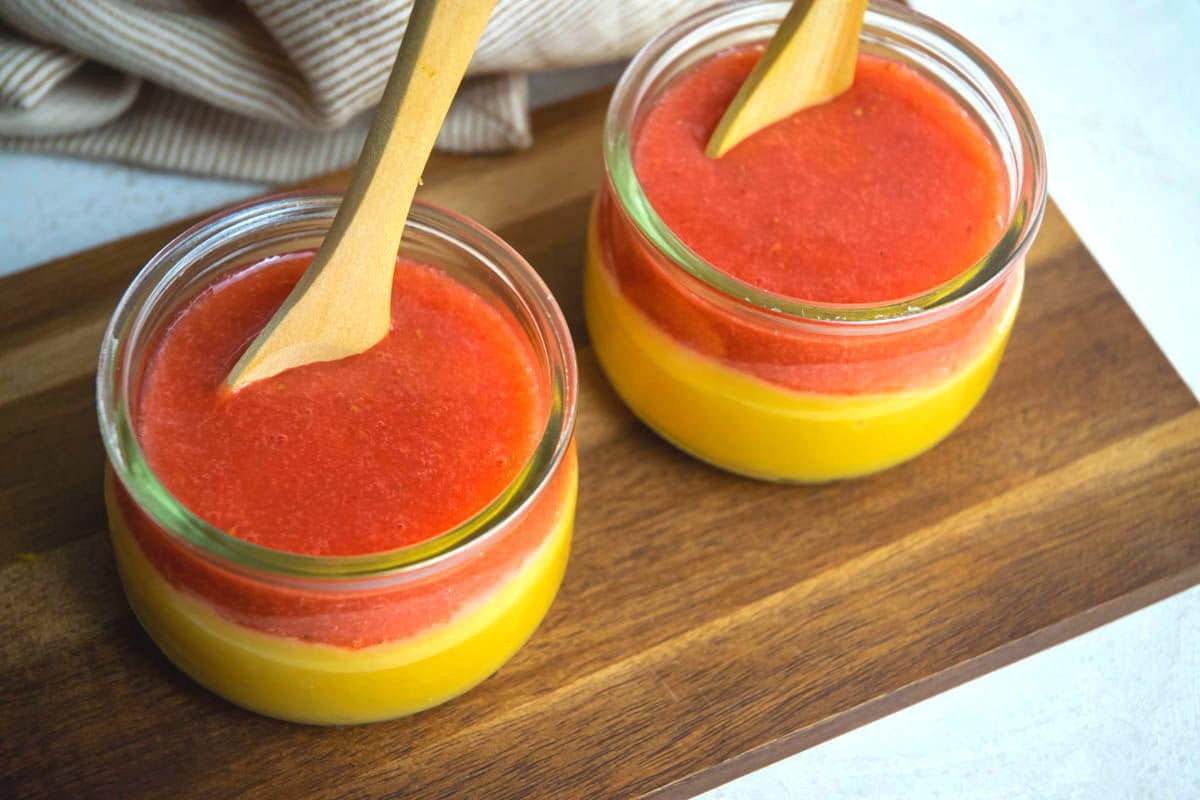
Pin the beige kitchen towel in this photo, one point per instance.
(272, 90)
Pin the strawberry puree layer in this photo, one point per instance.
(361, 618)
(811, 356)
(362, 455)
(885, 192)
(347, 457)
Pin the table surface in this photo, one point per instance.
(1114, 713)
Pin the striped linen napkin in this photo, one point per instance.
(272, 90)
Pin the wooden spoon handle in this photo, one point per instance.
(342, 304)
(808, 61)
(414, 104)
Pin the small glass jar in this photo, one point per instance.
(769, 386)
(347, 639)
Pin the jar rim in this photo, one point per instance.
(883, 17)
(114, 375)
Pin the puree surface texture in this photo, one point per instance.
(885, 192)
(362, 455)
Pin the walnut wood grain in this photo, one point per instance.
(708, 624)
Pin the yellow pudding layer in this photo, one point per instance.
(747, 425)
(329, 685)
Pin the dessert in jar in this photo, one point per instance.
(833, 295)
(353, 540)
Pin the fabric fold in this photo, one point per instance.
(272, 90)
(28, 71)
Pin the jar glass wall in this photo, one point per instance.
(775, 387)
(345, 639)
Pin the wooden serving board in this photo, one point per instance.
(708, 624)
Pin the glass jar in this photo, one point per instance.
(346, 639)
(769, 386)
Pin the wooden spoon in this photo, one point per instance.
(342, 304)
(810, 60)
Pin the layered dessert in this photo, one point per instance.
(789, 324)
(415, 442)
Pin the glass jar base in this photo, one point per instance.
(742, 424)
(322, 684)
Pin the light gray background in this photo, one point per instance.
(1115, 86)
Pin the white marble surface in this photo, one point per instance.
(50, 207)
(1111, 714)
